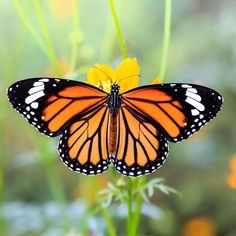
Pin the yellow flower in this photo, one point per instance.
(126, 75)
(199, 226)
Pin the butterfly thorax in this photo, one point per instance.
(114, 99)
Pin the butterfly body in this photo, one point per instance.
(129, 129)
(112, 133)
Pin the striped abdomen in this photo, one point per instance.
(112, 134)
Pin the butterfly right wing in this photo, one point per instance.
(83, 146)
(141, 148)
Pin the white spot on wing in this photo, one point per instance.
(34, 97)
(192, 90)
(195, 112)
(37, 84)
(44, 80)
(195, 103)
(201, 116)
(186, 86)
(34, 105)
(193, 95)
(36, 89)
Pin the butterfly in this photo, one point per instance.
(129, 129)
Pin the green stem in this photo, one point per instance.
(166, 39)
(138, 206)
(74, 49)
(50, 49)
(129, 180)
(28, 25)
(118, 30)
(3, 197)
(129, 205)
(110, 226)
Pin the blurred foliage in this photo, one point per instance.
(39, 196)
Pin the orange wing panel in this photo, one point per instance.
(153, 112)
(55, 107)
(174, 113)
(66, 112)
(140, 148)
(148, 94)
(83, 146)
(80, 91)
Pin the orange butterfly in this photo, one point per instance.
(129, 129)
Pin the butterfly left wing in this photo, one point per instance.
(83, 146)
(141, 149)
(51, 104)
(176, 110)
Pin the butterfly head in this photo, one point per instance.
(114, 99)
(115, 88)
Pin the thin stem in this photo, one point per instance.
(50, 49)
(118, 30)
(110, 226)
(74, 49)
(129, 180)
(138, 206)
(166, 39)
(29, 26)
(129, 204)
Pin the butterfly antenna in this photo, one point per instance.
(127, 77)
(104, 73)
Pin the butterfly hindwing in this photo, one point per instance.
(51, 104)
(141, 149)
(177, 110)
(83, 146)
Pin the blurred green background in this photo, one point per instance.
(39, 195)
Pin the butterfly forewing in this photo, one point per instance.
(51, 104)
(177, 110)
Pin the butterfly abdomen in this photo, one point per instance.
(112, 133)
(114, 104)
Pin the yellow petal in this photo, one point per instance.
(157, 80)
(127, 74)
(101, 76)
